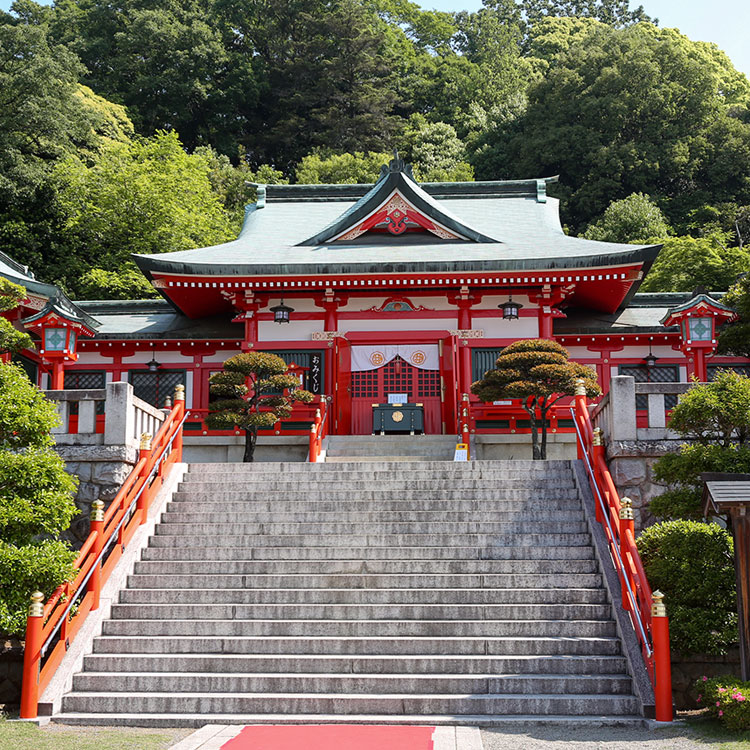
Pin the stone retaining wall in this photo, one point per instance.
(631, 463)
(101, 470)
(687, 669)
(11, 671)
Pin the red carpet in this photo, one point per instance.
(332, 737)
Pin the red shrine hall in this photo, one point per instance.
(394, 292)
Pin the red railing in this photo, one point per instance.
(318, 430)
(51, 627)
(646, 609)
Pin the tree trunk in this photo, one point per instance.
(543, 448)
(535, 452)
(251, 436)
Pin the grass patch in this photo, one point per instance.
(712, 731)
(23, 736)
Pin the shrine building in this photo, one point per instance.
(395, 291)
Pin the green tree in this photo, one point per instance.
(734, 338)
(630, 110)
(435, 152)
(36, 499)
(145, 196)
(715, 417)
(686, 263)
(253, 392)
(11, 339)
(333, 169)
(633, 219)
(540, 373)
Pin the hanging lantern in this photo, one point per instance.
(153, 365)
(650, 359)
(510, 308)
(282, 312)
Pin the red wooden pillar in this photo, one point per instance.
(662, 659)
(32, 655)
(626, 524)
(57, 376)
(97, 525)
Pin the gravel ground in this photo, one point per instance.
(676, 737)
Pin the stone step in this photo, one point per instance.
(403, 627)
(342, 703)
(357, 665)
(308, 568)
(426, 505)
(383, 596)
(446, 541)
(505, 722)
(311, 492)
(510, 467)
(362, 684)
(288, 647)
(246, 513)
(357, 612)
(321, 529)
(432, 585)
(452, 472)
(368, 554)
(407, 481)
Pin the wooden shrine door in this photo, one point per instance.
(370, 387)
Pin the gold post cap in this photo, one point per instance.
(179, 393)
(312, 428)
(580, 387)
(145, 441)
(626, 509)
(598, 439)
(97, 510)
(168, 402)
(317, 414)
(658, 608)
(36, 608)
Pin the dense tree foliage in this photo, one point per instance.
(36, 499)
(11, 339)
(638, 121)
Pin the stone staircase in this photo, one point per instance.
(426, 592)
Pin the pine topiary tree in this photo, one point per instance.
(540, 373)
(239, 395)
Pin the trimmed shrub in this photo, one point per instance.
(727, 699)
(693, 564)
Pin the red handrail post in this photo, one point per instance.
(179, 409)
(465, 438)
(97, 527)
(32, 656)
(626, 524)
(662, 658)
(580, 402)
(143, 455)
(597, 450)
(313, 444)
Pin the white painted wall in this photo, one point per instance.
(301, 330)
(412, 323)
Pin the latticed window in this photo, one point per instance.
(365, 384)
(740, 369)
(483, 360)
(155, 387)
(656, 374)
(77, 380)
(428, 383)
(397, 376)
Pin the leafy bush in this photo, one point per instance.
(682, 473)
(42, 566)
(693, 564)
(727, 699)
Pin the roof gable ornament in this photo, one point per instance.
(396, 164)
(397, 204)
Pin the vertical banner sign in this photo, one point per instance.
(315, 373)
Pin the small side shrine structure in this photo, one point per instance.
(396, 289)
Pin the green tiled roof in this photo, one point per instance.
(517, 215)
